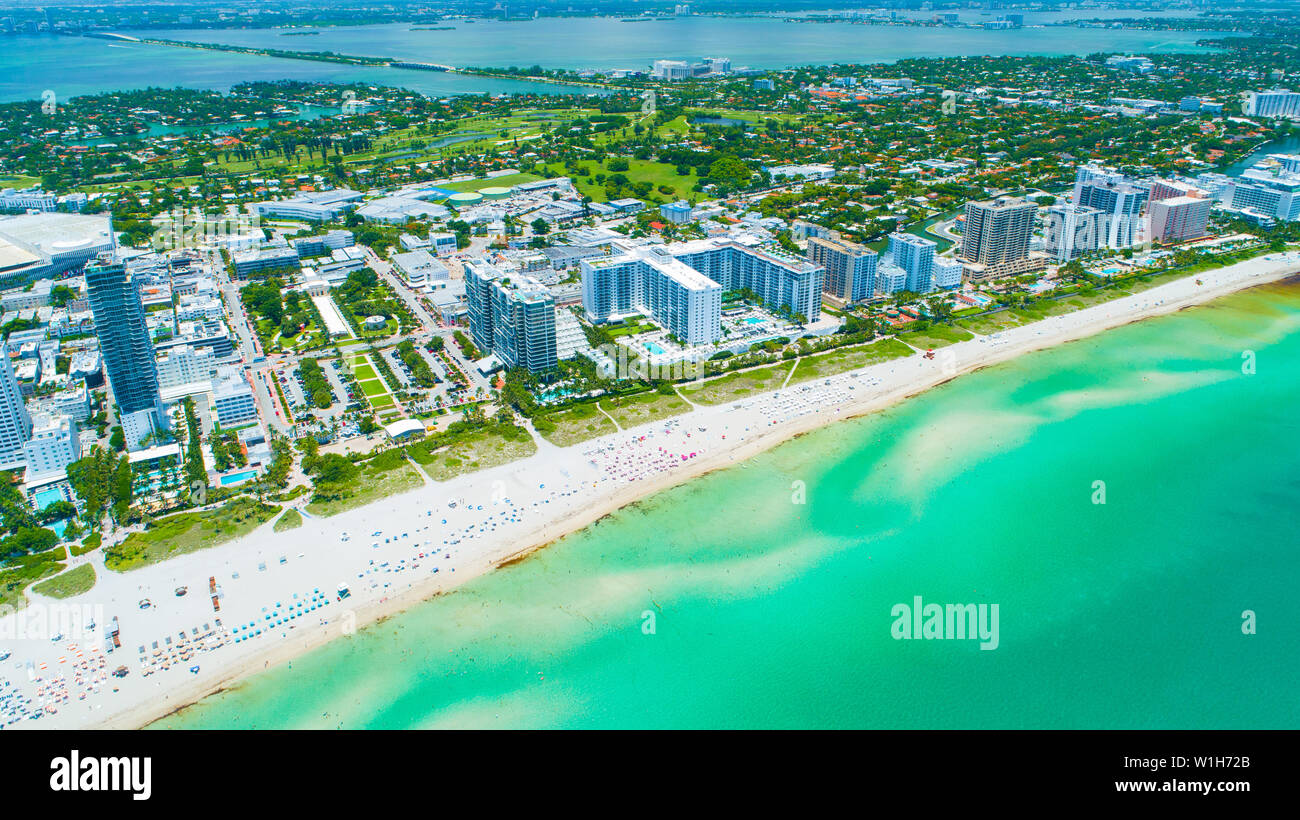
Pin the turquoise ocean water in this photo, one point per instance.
(768, 613)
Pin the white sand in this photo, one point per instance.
(525, 505)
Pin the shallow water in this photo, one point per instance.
(722, 603)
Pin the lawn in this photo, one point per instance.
(291, 520)
(507, 181)
(476, 451)
(639, 170)
(372, 387)
(565, 428)
(845, 359)
(629, 411)
(737, 385)
(381, 402)
(936, 336)
(385, 475)
(188, 532)
(73, 582)
(363, 372)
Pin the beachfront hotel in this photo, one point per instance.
(850, 268)
(680, 285)
(1268, 191)
(783, 281)
(124, 343)
(511, 317)
(652, 281)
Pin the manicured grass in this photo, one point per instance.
(499, 182)
(936, 336)
(629, 411)
(188, 532)
(372, 387)
(575, 424)
(73, 582)
(477, 451)
(845, 359)
(377, 479)
(736, 385)
(380, 402)
(292, 519)
(363, 372)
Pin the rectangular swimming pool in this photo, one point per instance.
(237, 478)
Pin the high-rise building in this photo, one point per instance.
(1072, 231)
(681, 285)
(997, 232)
(15, 424)
(512, 317)
(915, 255)
(52, 447)
(1179, 219)
(479, 275)
(1119, 200)
(523, 324)
(124, 344)
(783, 282)
(1268, 191)
(850, 268)
(1278, 102)
(652, 281)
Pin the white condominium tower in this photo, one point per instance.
(915, 255)
(649, 280)
(1278, 102)
(681, 285)
(1072, 230)
(783, 282)
(1119, 200)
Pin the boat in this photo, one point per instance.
(180, 591)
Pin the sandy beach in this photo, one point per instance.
(279, 591)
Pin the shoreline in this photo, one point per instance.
(895, 381)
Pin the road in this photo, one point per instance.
(260, 374)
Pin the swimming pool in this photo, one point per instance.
(753, 321)
(47, 496)
(654, 348)
(237, 478)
